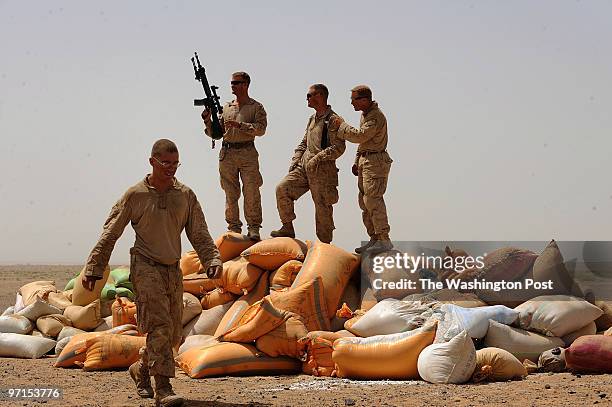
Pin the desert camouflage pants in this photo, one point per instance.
(237, 164)
(372, 183)
(324, 191)
(159, 310)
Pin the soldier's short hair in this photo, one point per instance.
(245, 76)
(363, 91)
(163, 146)
(322, 89)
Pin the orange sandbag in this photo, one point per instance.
(231, 244)
(233, 359)
(335, 266)
(238, 276)
(270, 254)
(239, 307)
(123, 311)
(284, 339)
(112, 351)
(198, 284)
(590, 353)
(285, 274)
(383, 356)
(319, 348)
(259, 319)
(307, 301)
(190, 263)
(216, 297)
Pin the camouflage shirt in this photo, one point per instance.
(251, 116)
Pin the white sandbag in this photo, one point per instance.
(19, 305)
(475, 321)
(38, 309)
(16, 324)
(196, 340)
(207, 322)
(522, 344)
(391, 316)
(191, 307)
(24, 346)
(9, 311)
(449, 362)
(61, 344)
(107, 323)
(69, 332)
(589, 329)
(556, 315)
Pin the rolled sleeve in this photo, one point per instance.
(258, 127)
(366, 131)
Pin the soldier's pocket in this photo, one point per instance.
(374, 185)
(331, 195)
(143, 312)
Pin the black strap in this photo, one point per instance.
(324, 136)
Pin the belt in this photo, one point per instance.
(149, 261)
(366, 153)
(243, 144)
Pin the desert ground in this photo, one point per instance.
(115, 388)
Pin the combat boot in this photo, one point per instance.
(139, 372)
(164, 395)
(285, 231)
(380, 246)
(363, 248)
(253, 234)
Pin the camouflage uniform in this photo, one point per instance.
(239, 159)
(373, 163)
(313, 167)
(158, 220)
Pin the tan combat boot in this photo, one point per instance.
(366, 246)
(139, 372)
(164, 395)
(285, 231)
(253, 234)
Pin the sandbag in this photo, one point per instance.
(382, 356)
(448, 296)
(52, 325)
(449, 362)
(40, 289)
(108, 293)
(123, 312)
(351, 299)
(68, 294)
(120, 275)
(259, 319)
(522, 344)
(125, 292)
(16, 324)
(319, 346)
(231, 244)
(207, 321)
(87, 317)
(556, 315)
(216, 297)
(19, 305)
(390, 316)
(36, 332)
(24, 346)
(605, 320)
(589, 329)
(59, 300)
(191, 308)
(239, 307)
(475, 321)
(285, 275)
(284, 339)
(37, 309)
(106, 308)
(190, 263)
(389, 274)
(549, 266)
(198, 284)
(112, 351)
(61, 344)
(552, 360)
(238, 276)
(368, 300)
(592, 353)
(9, 311)
(270, 254)
(195, 341)
(608, 332)
(307, 301)
(495, 364)
(81, 296)
(69, 332)
(70, 284)
(334, 265)
(107, 323)
(233, 359)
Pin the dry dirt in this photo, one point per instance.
(116, 389)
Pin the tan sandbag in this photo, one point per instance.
(238, 276)
(68, 294)
(233, 359)
(191, 308)
(284, 339)
(112, 351)
(522, 344)
(81, 296)
(239, 307)
(190, 263)
(308, 301)
(198, 284)
(85, 318)
(216, 297)
(495, 364)
(259, 319)
(549, 266)
(40, 289)
(59, 300)
(124, 312)
(284, 275)
(335, 266)
(270, 254)
(319, 348)
(383, 356)
(589, 329)
(605, 320)
(231, 244)
(52, 325)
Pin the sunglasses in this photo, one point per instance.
(237, 82)
(359, 97)
(167, 164)
(309, 95)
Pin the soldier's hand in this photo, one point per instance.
(206, 115)
(335, 122)
(231, 123)
(88, 282)
(355, 170)
(214, 272)
(293, 166)
(312, 165)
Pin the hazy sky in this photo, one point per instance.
(499, 112)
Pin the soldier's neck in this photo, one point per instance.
(160, 185)
(243, 99)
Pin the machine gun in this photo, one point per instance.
(211, 102)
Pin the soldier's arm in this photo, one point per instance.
(113, 229)
(197, 233)
(208, 126)
(299, 151)
(364, 133)
(258, 127)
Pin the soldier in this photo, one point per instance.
(313, 167)
(372, 166)
(243, 119)
(159, 208)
